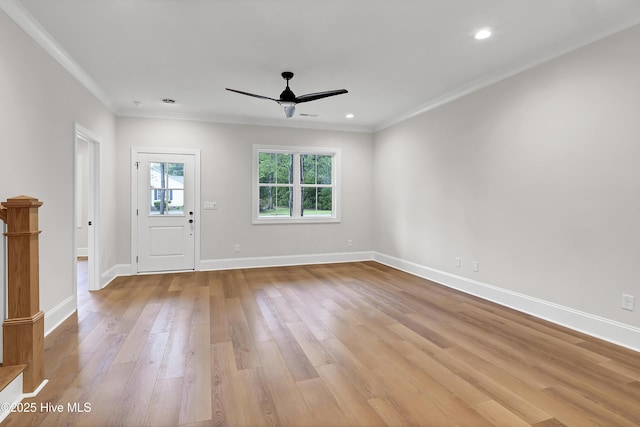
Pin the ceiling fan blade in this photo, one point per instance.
(251, 94)
(319, 95)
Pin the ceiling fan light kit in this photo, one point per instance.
(289, 100)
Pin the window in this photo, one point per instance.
(295, 184)
(166, 183)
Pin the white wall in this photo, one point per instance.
(40, 103)
(536, 177)
(226, 178)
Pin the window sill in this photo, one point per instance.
(265, 221)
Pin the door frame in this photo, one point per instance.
(134, 200)
(93, 252)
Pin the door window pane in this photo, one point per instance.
(166, 188)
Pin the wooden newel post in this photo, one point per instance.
(24, 328)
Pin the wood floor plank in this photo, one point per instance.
(196, 387)
(351, 344)
(219, 328)
(174, 359)
(225, 409)
(291, 407)
(502, 387)
(258, 402)
(388, 412)
(315, 353)
(243, 344)
(324, 409)
(361, 375)
(500, 416)
(299, 365)
(164, 408)
(107, 397)
(349, 398)
(136, 338)
(136, 396)
(251, 308)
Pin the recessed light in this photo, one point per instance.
(483, 34)
(349, 115)
(169, 101)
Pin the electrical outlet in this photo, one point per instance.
(627, 302)
(458, 262)
(237, 248)
(475, 266)
(350, 243)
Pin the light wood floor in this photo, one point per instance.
(331, 345)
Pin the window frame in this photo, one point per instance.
(296, 152)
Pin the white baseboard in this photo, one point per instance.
(82, 252)
(281, 261)
(115, 271)
(58, 314)
(609, 330)
(615, 332)
(252, 262)
(10, 396)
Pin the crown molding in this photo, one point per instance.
(32, 27)
(509, 71)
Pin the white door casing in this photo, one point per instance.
(165, 217)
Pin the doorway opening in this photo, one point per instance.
(86, 215)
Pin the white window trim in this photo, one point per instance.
(297, 151)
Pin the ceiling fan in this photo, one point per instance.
(289, 100)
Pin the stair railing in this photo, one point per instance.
(23, 330)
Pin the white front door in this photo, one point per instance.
(166, 212)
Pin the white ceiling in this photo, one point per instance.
(396, 57)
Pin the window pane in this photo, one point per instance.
(157, 175)
(285, 168)
(266, 168)
(175, 175)
(275, 168)
(309, 201)
(324, 169)
(175, 202)
(316, 201)
(158, 204)
(166, 183)
(308, 169)
(325, 201)
(315, 169)
(275, 201)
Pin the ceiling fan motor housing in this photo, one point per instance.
(287, 94)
